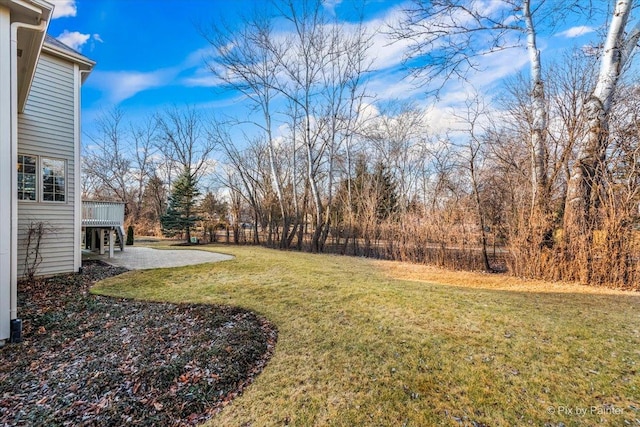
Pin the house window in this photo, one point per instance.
(53, 180)
(49, 173)
(27, 178)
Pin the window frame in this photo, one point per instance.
(41, 161)
(20, 170)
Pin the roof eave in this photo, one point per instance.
(32, 13)
(85, 63)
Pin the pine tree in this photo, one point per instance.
(386, 191)
(130, 235)
(181, 213)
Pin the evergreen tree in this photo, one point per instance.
(386, 191)
(377, 189)
(181, 213)
(130, 235)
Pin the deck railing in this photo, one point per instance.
(102, 214)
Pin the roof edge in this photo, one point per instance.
(61, 50)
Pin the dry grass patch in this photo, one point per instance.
(361, 344)
(469, 279)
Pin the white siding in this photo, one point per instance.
(47, 128)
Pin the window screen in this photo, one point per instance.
(53, 180)
(27, 177)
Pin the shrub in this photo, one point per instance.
(130, 235)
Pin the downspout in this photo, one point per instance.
(78, 170)
(41, 27)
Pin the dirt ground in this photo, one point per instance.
(97, 361)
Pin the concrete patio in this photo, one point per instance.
(142, 258)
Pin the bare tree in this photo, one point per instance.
(323, 71)
(106, 160)
(184, 140)
(247, 60)
(397, 134)
(144, 137)
(570, 81)
(472, 161)
(452, 36)
(312, 76)
(245, 173)
(154, 200)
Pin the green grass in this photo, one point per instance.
(360, 345)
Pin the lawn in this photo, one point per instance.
(365, 342)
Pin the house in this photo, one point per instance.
(40, 82)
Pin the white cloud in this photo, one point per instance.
(121, 85)
(368, 112)
(199, 56)
(384, 53)
(496, 66)
(440, 119)
(330, 5)
(64, 8)
(388, 86)
(77, 40)
(578, 31)
(203, 79)
(74, 39)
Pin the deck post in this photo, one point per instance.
(92, 239)
(111, 241)
(101, 240)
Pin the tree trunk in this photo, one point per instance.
(579, 215)
(539, 218)
(317, 202)
(481, 223)
(276, 183)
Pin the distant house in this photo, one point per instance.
(40, 81)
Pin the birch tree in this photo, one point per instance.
(586, 173)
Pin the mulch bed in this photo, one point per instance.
(96, 361)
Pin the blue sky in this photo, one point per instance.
(149, 54)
